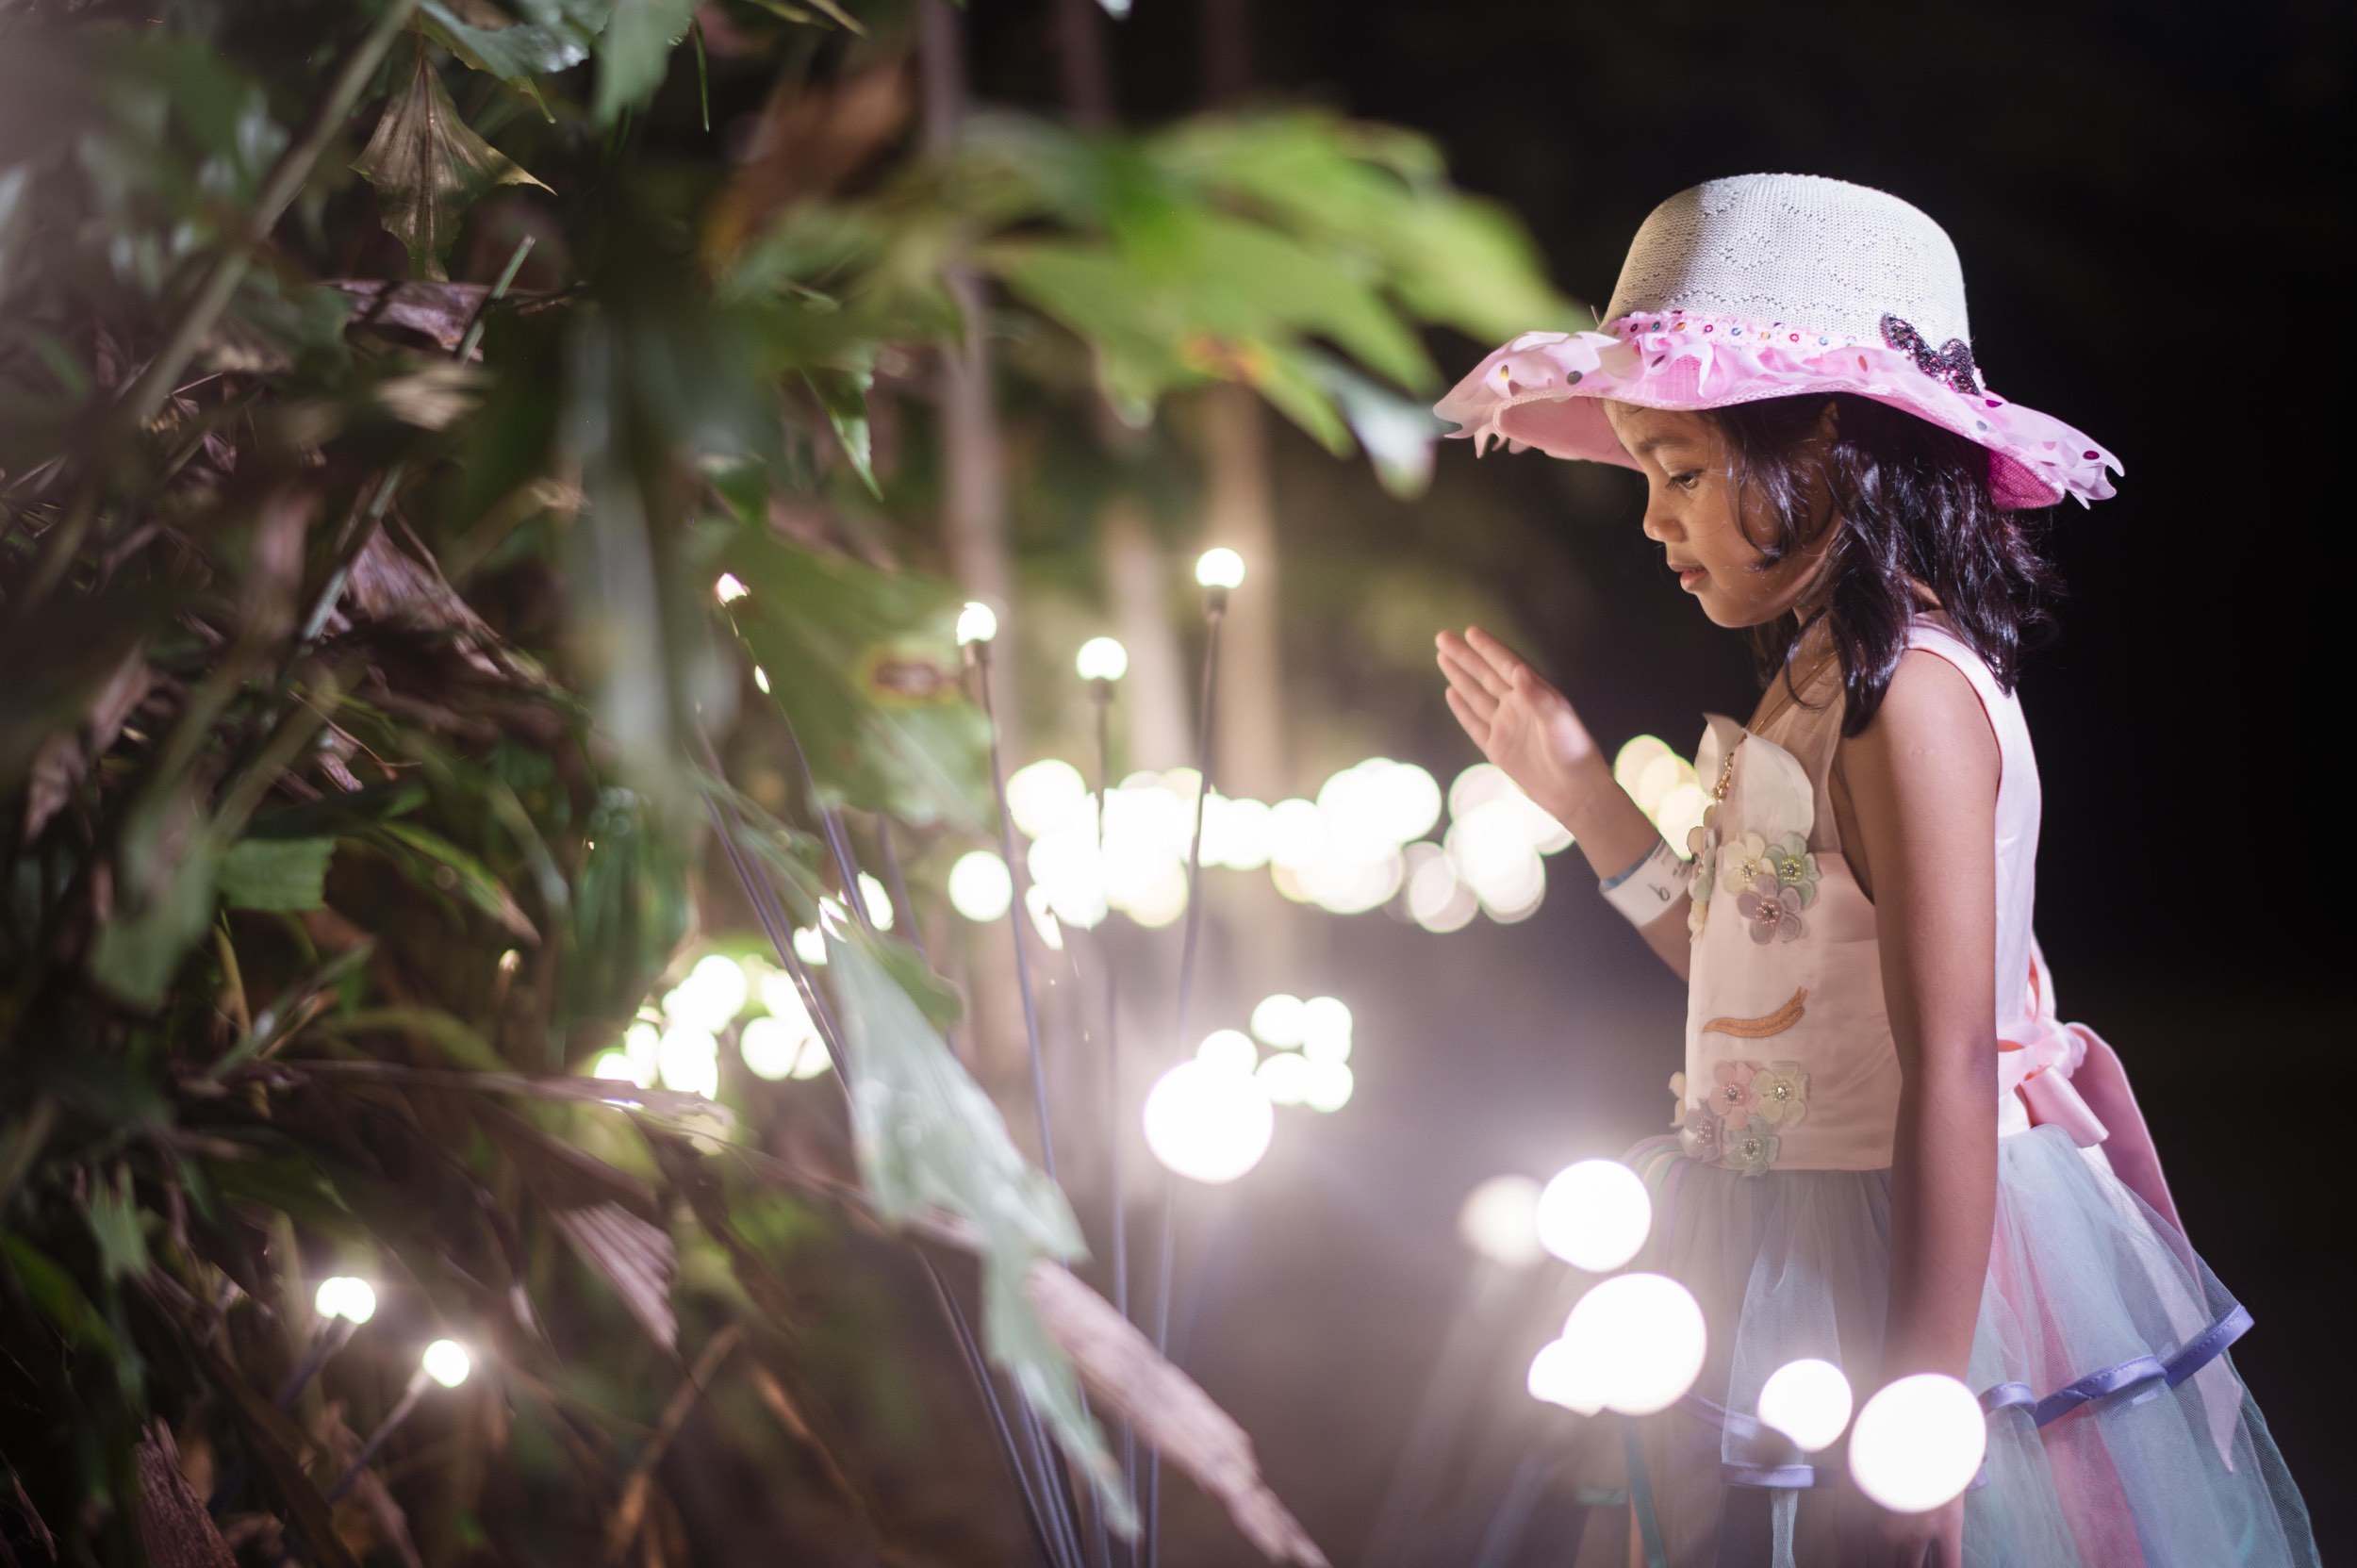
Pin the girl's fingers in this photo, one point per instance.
(1480, 702)
(1467, 669)
(1476, 726)
(1500, 657)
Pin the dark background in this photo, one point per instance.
(2154, 252)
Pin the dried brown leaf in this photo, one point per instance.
(405, 587)
(428, 168)
(1168, 1410)
(435, 307)
(173, 1527)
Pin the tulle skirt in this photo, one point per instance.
(2118, 1434)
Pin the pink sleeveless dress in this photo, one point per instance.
(2120, 1436)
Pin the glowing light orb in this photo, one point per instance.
(1437, 900)
(1296, 831)
(1207, 1123)
(618, 1067)
(1500, 1221)
(447, 1362)
(1681, 812)
(1325, 1025)
(1101, 659)
(761, 679)
(1285, 1078)
(1917, 1442)
(709, 996)
(1568, 1374)
(977, 622)
(1236, 832)
(728, 589)
(1661, 775)
(810, 945)
(1279, 1020)
(1229, 1048)
(341, 1295)
(1806, 1400)
(772, 1046)
(1648, 1334)
(1326, 1085)
(1630, 762)
(1594, 1215)
(1047, 795)
(1219, 568)
(980, 887)
(687, 1059)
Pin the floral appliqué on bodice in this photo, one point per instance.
(1770, 876)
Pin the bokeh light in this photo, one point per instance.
(977, 622)
(711, 995)
(1101, 659)
(1229, 1049)
(1594, 1215)
(1808, 1401)
(1326, 1085)
(1284, 1078)
(1279, 1019)
(1325, 1027)
(1570, 1374)
(1219, 568)
(980, 887)
(447, 1362)
(727, 587)
(1500, 1221)
(1045, 796)
(687, 1059)
(1647, 1331)
(1207, 1123)
(342, 1296)
(1917, 1442)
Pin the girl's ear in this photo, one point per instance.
(1828, 422)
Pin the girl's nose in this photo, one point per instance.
(1660, 526)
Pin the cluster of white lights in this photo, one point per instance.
(341, 1295)
(1354, 847)
(1308, 1051)
(775, 1033)
(1663, 786)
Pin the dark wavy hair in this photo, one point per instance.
(1912, 510)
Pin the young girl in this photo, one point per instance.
(1892, 1156)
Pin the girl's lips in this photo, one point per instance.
(1690, 578)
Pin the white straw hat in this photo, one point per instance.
(1776, 286)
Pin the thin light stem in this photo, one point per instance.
(1018, 913)
(1101, 693)
(1214, 614)
(419, 1382)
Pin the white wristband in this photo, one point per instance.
(1648, 888)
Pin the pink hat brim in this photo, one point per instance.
(1547, 390)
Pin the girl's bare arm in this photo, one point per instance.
(1922, 782)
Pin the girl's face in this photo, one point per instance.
(1691, 511)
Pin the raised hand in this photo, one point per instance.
(1521, 722)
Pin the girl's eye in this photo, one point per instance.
(1687, 480)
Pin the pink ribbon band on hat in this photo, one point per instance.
(1546, 389)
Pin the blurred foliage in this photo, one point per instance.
(366, 694)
